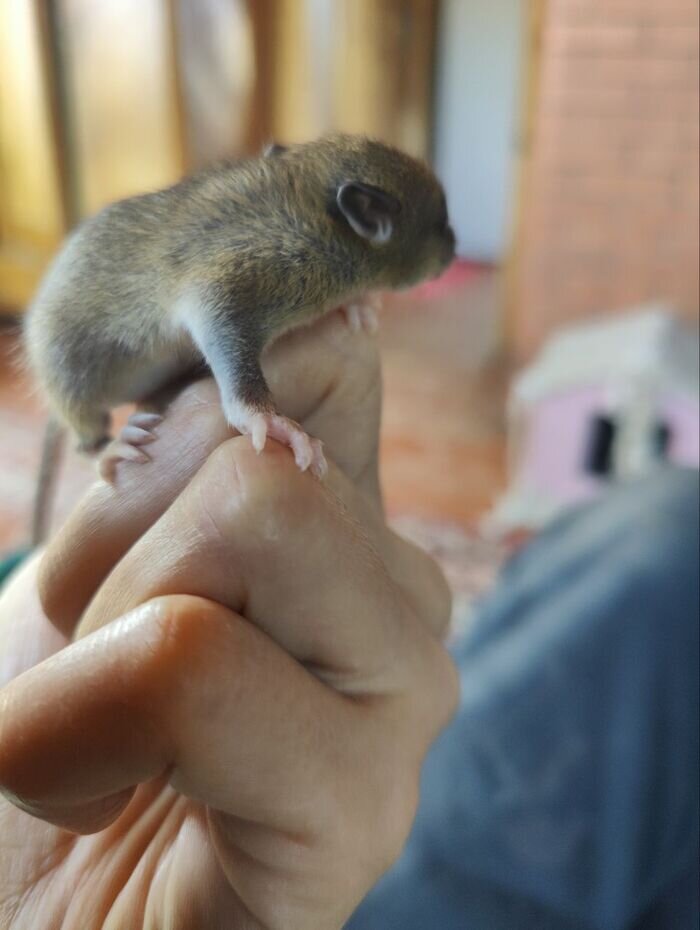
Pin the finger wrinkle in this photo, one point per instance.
(269, 492)
(189, 630)
(64, 719)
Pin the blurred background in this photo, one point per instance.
(566, 134)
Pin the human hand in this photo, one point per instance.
(238, 681)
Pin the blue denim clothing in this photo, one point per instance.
(564, 795)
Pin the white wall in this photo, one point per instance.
(478, 97)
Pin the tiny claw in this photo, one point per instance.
(362, 314)
(258, 434)
(370, 321)
(319, 465)
(135, 436)
(301, 447)
(128, 447)
(119, 452)
(145, 420)
(353, 317)
(308, 453)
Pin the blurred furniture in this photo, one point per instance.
(100, 100)
(603, 402)
(33, 198)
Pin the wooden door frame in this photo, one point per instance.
(529, 104)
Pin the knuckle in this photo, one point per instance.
(442, 686)
(266, 475)
(450, 691)
(392, 819)
(183, 630)
(434, 694)
(266, 493)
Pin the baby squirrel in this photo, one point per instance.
(217, 266)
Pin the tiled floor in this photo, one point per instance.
(442, 440)
(443, 454)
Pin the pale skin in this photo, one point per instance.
(233, 733)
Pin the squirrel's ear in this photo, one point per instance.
(272, 149)
(369, 210)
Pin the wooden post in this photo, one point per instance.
(537, 11)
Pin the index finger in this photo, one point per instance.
(273, 543)
(324, 376)
(293, 585)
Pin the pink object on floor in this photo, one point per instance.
(606, 400)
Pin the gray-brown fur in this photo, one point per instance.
(248, 248)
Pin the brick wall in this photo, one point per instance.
(610, 208)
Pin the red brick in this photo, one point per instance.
(653, 15)
(622, 103)
(673, 75)
(613, 195)
(623, 42)
(652, 12)
(573, 159)
(597, 41)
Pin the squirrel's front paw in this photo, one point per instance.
(308, 452)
